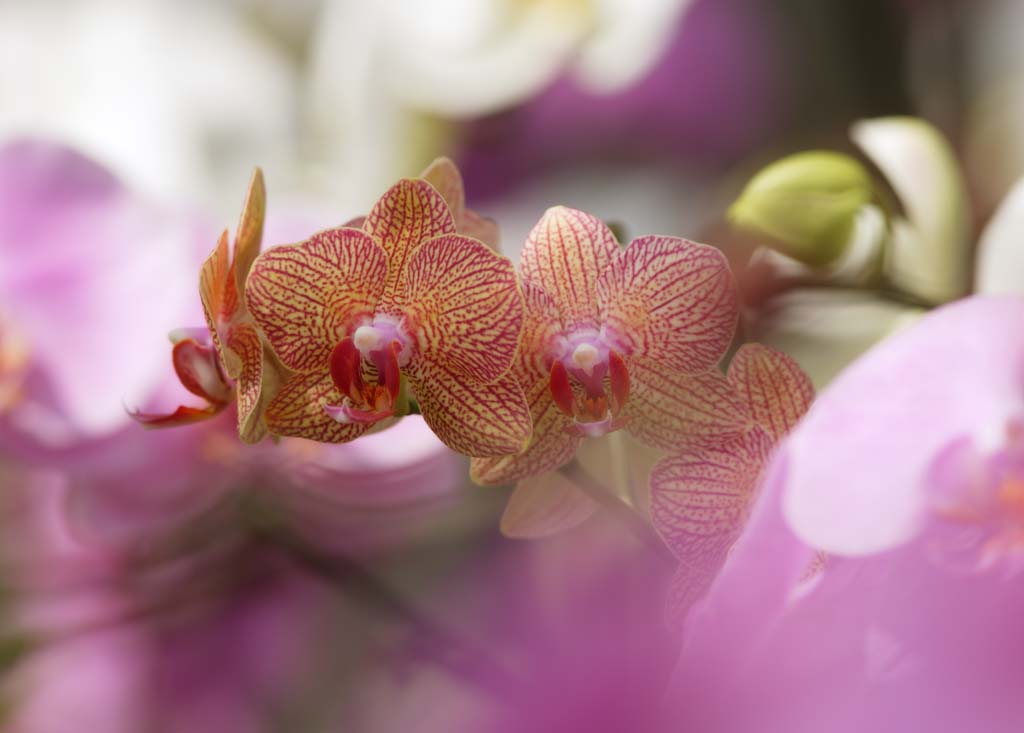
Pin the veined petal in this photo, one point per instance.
(407, 215)
(564, 255)
(550, 445)
(249, 234)
(306, 297)
(774, 388)
(197, 369)
(473, 418)
(184, 415)
(464, 307)
(245, 342)
(298, 410)
(672, 301)
(545, 505)
(667, 408)
(444, 175)
(542, 321)
(699, 503)
(480, 227)
(213, 280)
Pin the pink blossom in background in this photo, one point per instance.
(908, 470)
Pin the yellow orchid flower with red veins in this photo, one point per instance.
(354, 310)
(700, 496)
(227, 358)
(618, 338)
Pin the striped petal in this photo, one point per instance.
(564, 255)
(699, 503)
(249, 234)
(774, 388)
(298, 410)
(213, 284)
(464, 307)
(668, 408)
(407, 215)
(245, 342)
(550, 445)
(545, 505)
(309, 296)
(444, 175)
(473, 418)
(672, 301)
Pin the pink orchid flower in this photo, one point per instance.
(357, 313)
(908, 471)
(701, 495)
(617, 338)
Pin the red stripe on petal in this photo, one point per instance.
(671, 301)
(407, 215)
(699, 503)
(464, 307)
(213, 279)
(307, 297)
(564, 255)
(774, 388)
(550, 446)
(668, 409)
(473, 418)
(249, 234)
(298, 411)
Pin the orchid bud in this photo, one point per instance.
(807, 203)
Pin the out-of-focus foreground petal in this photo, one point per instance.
(867, 441)
(87, 268)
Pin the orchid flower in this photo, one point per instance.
(909, 472)
(700, 497)
(228, 358)
(617, 338)
(356, 313)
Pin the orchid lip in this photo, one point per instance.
(346, 414)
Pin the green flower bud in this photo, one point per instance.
(806, 203)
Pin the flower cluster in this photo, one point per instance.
(412, 309)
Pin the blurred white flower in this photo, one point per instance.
(179, 98)
(383, 74)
